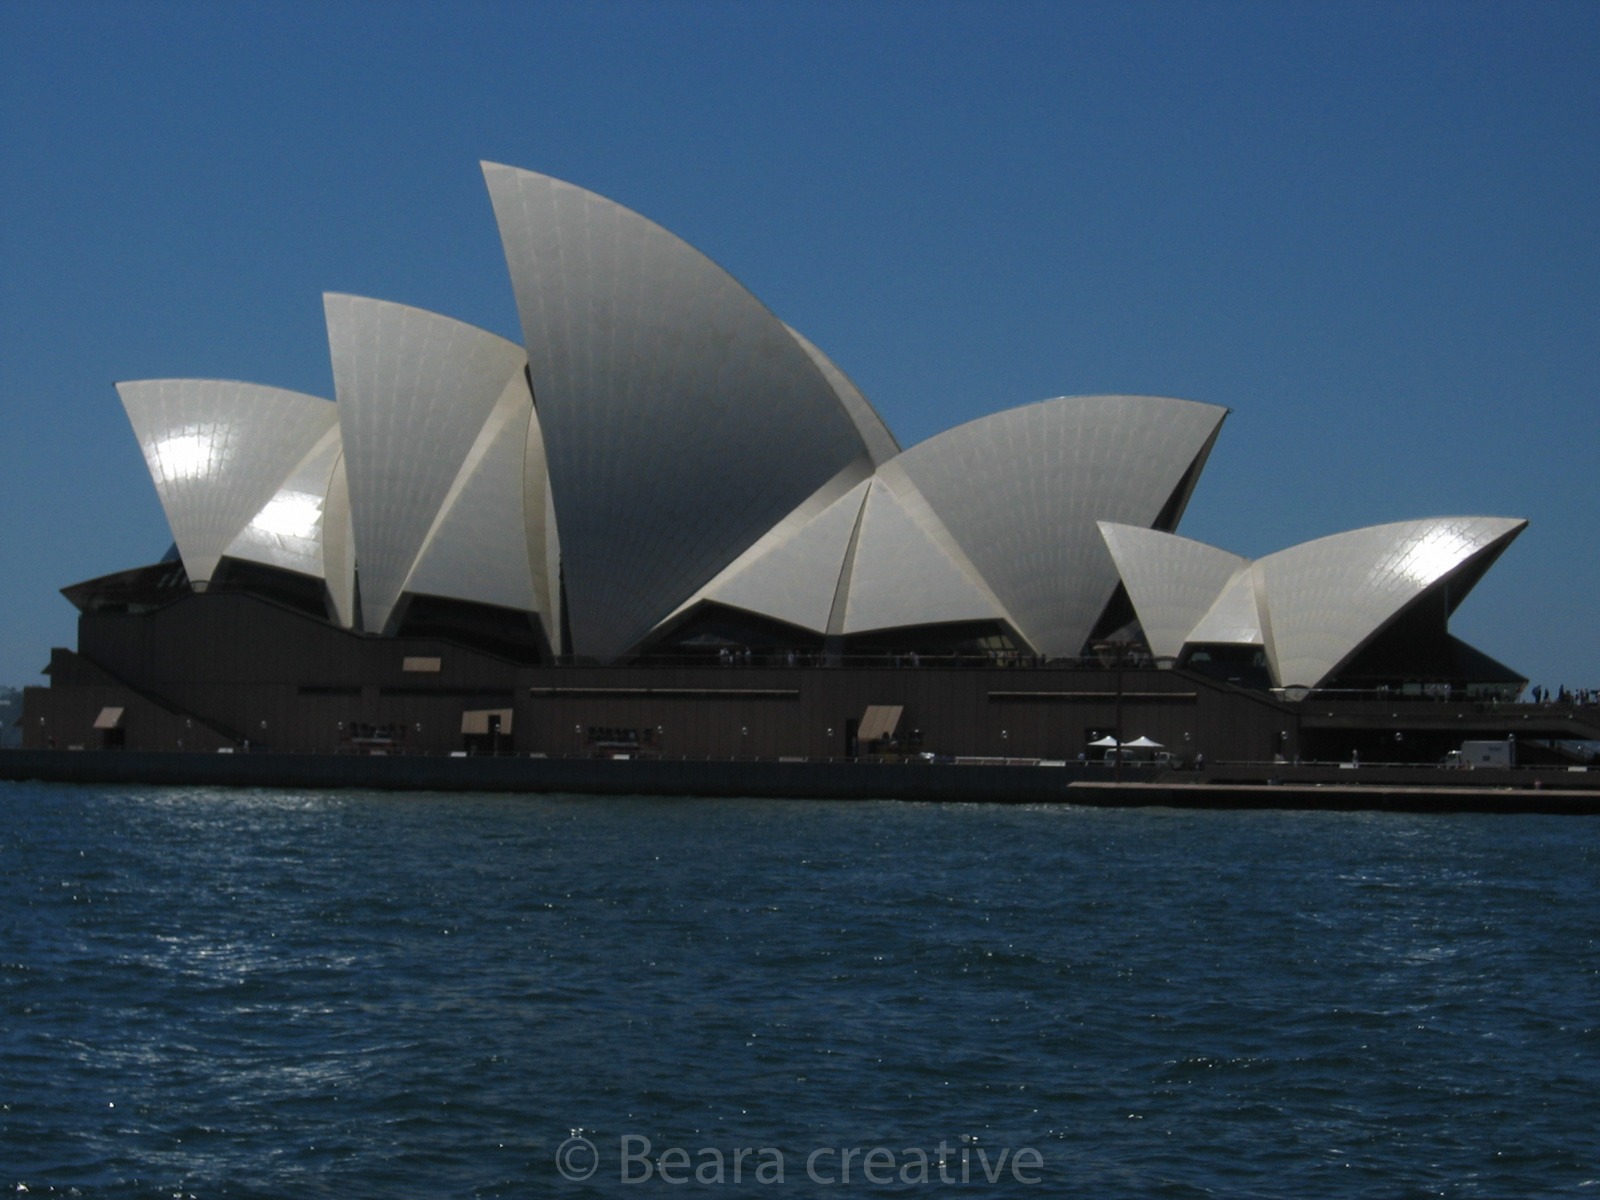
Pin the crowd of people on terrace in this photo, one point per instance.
(1564, 696)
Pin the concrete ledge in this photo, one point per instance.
(1374, 797)
(984, 783)
(655, 777)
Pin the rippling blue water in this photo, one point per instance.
(235, 993)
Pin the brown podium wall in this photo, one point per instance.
(243, 668)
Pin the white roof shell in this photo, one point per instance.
(239, 468)
(1237, 616)
(305, 527)
(435, 418)
(1020, 492)
(339, 546)
(287, 531)
(792, 572)
(1172, 581)
(698, 449)
(1329, 597)
(1021, 487)
(477, 546)
(874, 558)
(681, 419)
(907, 570)
(1313, 606)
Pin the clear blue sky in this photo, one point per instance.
(1373, 231)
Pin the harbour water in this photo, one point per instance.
(269, 994)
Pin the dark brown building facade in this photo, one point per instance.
(231, 670)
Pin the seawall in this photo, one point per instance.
(1072, 783)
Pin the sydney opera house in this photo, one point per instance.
(668, 524)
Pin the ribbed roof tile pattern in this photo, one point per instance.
(415, 390)
(1172, 581)
(476, 547)
(792, 573)
(1235, 617)
(681, 419)
(541, 533)
(219, 451)
(905, 573)
(1312, 606)
(875, 435)
(287, 532)
(1327, 598)
(1021, 491)
(339, 547)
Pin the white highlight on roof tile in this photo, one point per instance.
(415, 389)
(1021, 491)
(188, 455)
(290, 516)
(287, 532)
(1172, 581)
(681, 419)
(1430, 553)
(1327, 598)
(219, 451)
